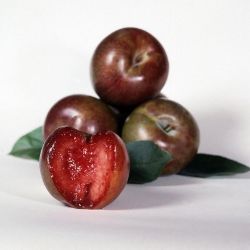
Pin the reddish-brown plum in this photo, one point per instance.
(84, 171)
(82, 112)
(169, 125)
(129, 67)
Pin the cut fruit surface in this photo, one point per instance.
(86, 171)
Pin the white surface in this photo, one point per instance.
(171, 213)
(45, 51)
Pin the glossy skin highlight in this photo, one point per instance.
(129, 67)
(170, 126)
(82, 112)
(84, 171)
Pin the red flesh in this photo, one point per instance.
(82, 168)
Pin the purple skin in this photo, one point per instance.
(85, 113)
(129, 67)
(170, 126)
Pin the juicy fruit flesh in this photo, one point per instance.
(80, 169)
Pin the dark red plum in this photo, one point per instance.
(129, 67)
(169, 125)
(82, 112)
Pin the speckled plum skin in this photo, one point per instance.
(84, 171)
(82, 112)
(170, 126)
(123, 113)
(129, 67)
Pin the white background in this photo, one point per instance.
(45, 52)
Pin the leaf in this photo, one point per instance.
(147, 161)
(205, 165)
(29, 145)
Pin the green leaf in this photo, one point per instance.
(147, 161)
(29, 146)
(205, 165)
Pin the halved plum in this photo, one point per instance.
(82, 170)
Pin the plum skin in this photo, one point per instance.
(170, 126)
(129, 67)
(82, 112)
